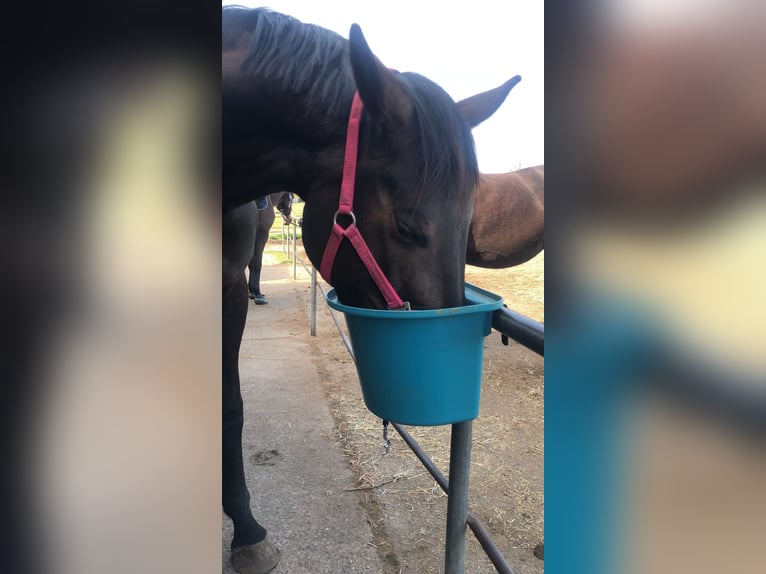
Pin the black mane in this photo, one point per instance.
(301, 61)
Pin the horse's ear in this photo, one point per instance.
(478, 108)
(381, 91)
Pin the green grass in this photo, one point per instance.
(278, 236)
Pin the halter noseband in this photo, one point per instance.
(346, 207)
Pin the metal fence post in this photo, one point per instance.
(457, 502)
(287, 241)
(295, 253)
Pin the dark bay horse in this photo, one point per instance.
(508, 221)
(282, 201)
(287, 92)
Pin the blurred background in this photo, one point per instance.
(111, 289)
(656, 276)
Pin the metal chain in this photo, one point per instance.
(386, 442)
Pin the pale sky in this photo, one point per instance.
(466, 48)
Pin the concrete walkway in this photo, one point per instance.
(296, 477)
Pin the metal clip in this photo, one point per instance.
(503, 336)
(386, 442)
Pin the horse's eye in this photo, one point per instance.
(410, 234)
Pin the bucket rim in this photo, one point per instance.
(479, 301)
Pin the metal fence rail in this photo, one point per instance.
(511, 325)
(521, 329)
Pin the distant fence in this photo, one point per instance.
(511, 325)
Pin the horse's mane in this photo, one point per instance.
(312, 63)
(304, 60)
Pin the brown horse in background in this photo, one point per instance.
(507, 226)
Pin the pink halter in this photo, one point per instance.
(346, 207)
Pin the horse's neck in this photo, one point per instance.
(522, 189)
(529, 181)
(278, 150)
(533, 179)
(285, 104)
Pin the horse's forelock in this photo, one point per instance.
(448, 160)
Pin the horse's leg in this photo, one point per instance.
(236, 498)
(256, 263)
(252, 551)
(252, 284)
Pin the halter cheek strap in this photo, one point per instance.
(346, 208)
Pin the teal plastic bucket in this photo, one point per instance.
(421, 367)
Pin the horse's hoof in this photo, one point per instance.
(255, 558)
(260, 300)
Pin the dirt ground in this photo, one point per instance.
(406, 508)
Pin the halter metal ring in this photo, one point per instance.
(350, 213)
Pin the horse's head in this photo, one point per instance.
(415, 179)
(283, 201)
